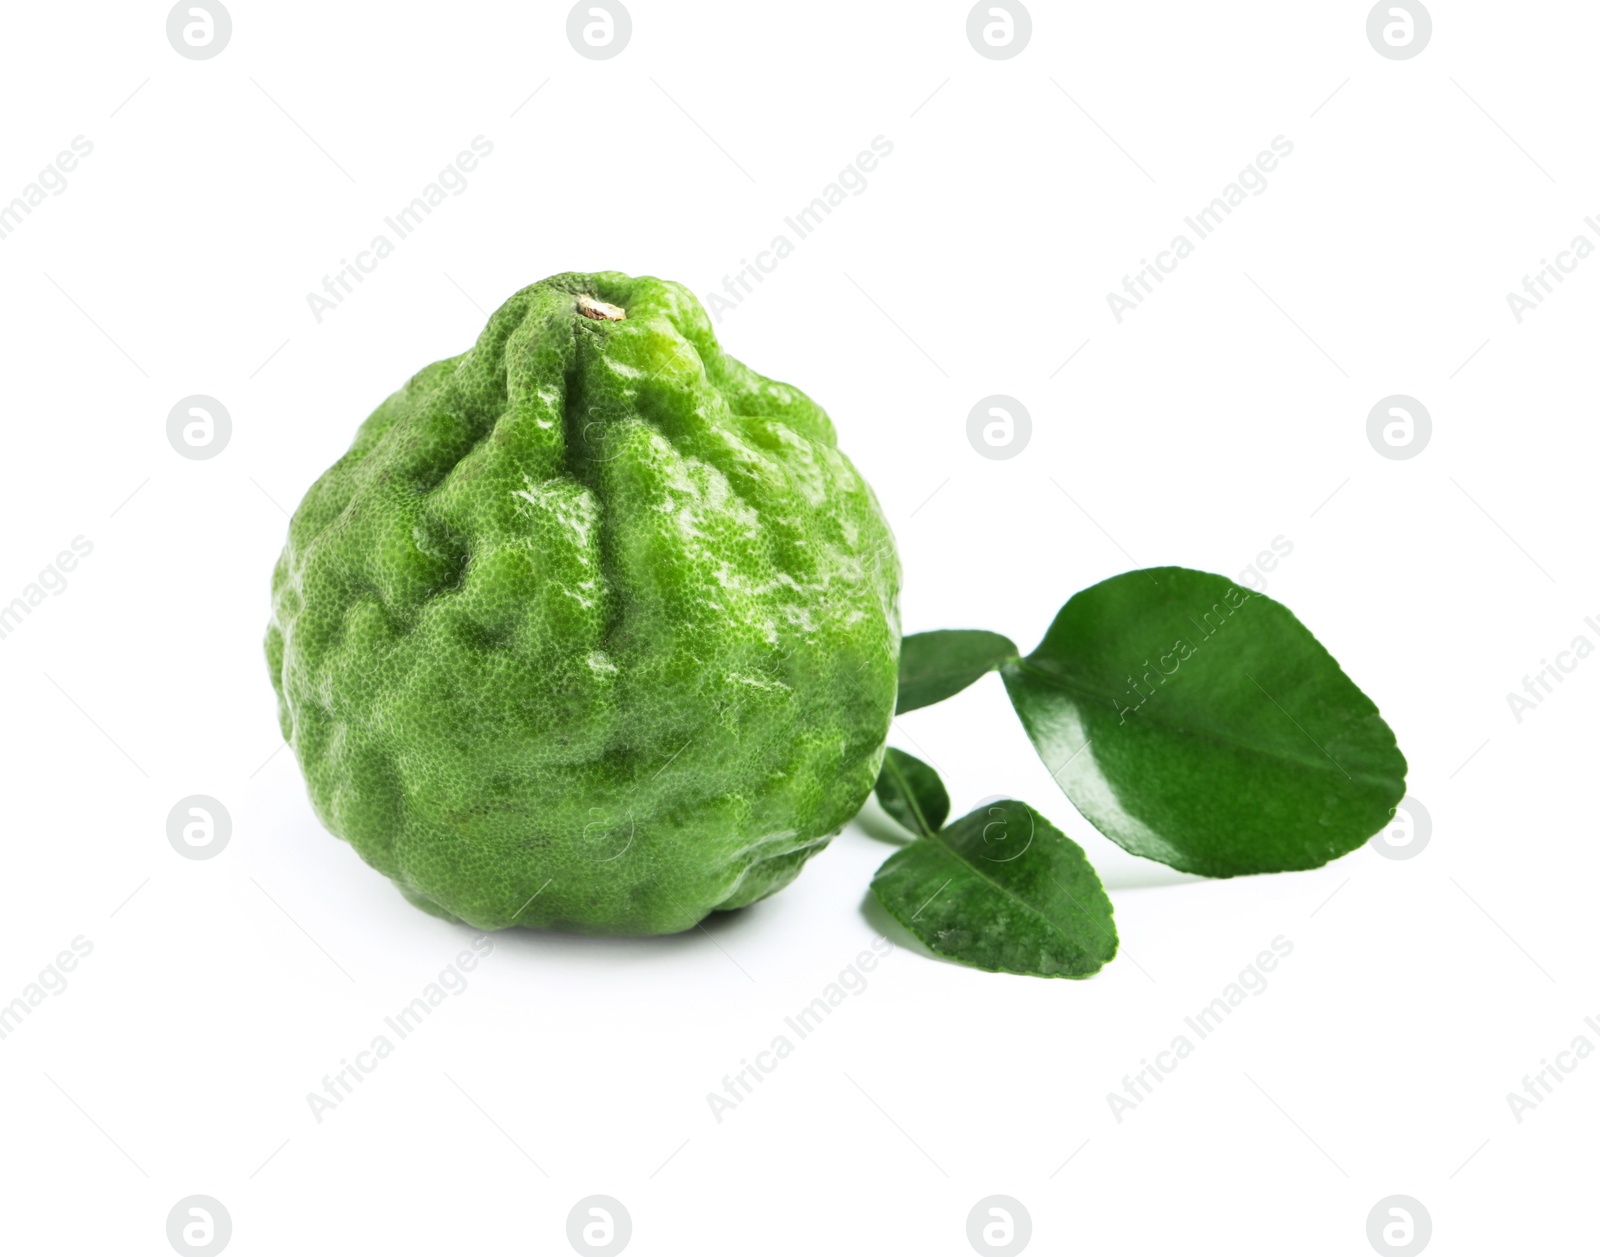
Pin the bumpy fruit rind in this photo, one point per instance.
(593, 628)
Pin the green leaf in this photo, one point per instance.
(1002, 889)
(933, 666)
(1202, 725)
(912, 793)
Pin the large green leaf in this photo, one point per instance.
(933, 666)
(1002, 889)
(1202, 725)
(912, 793)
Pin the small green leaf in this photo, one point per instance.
(933, 666)
(912, 793)
(1202, 725)
(1002, 889)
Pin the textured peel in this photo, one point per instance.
(593, 627)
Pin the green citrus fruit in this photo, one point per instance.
(593, 628)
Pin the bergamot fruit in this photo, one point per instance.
(593, 628)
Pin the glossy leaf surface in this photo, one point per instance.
(1002, 889)
(933, 666)
(1202, 725)
(911, 792)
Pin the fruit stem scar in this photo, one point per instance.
(594, 308)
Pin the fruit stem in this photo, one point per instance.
(594, 308)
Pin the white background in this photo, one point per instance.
(1221, 414)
